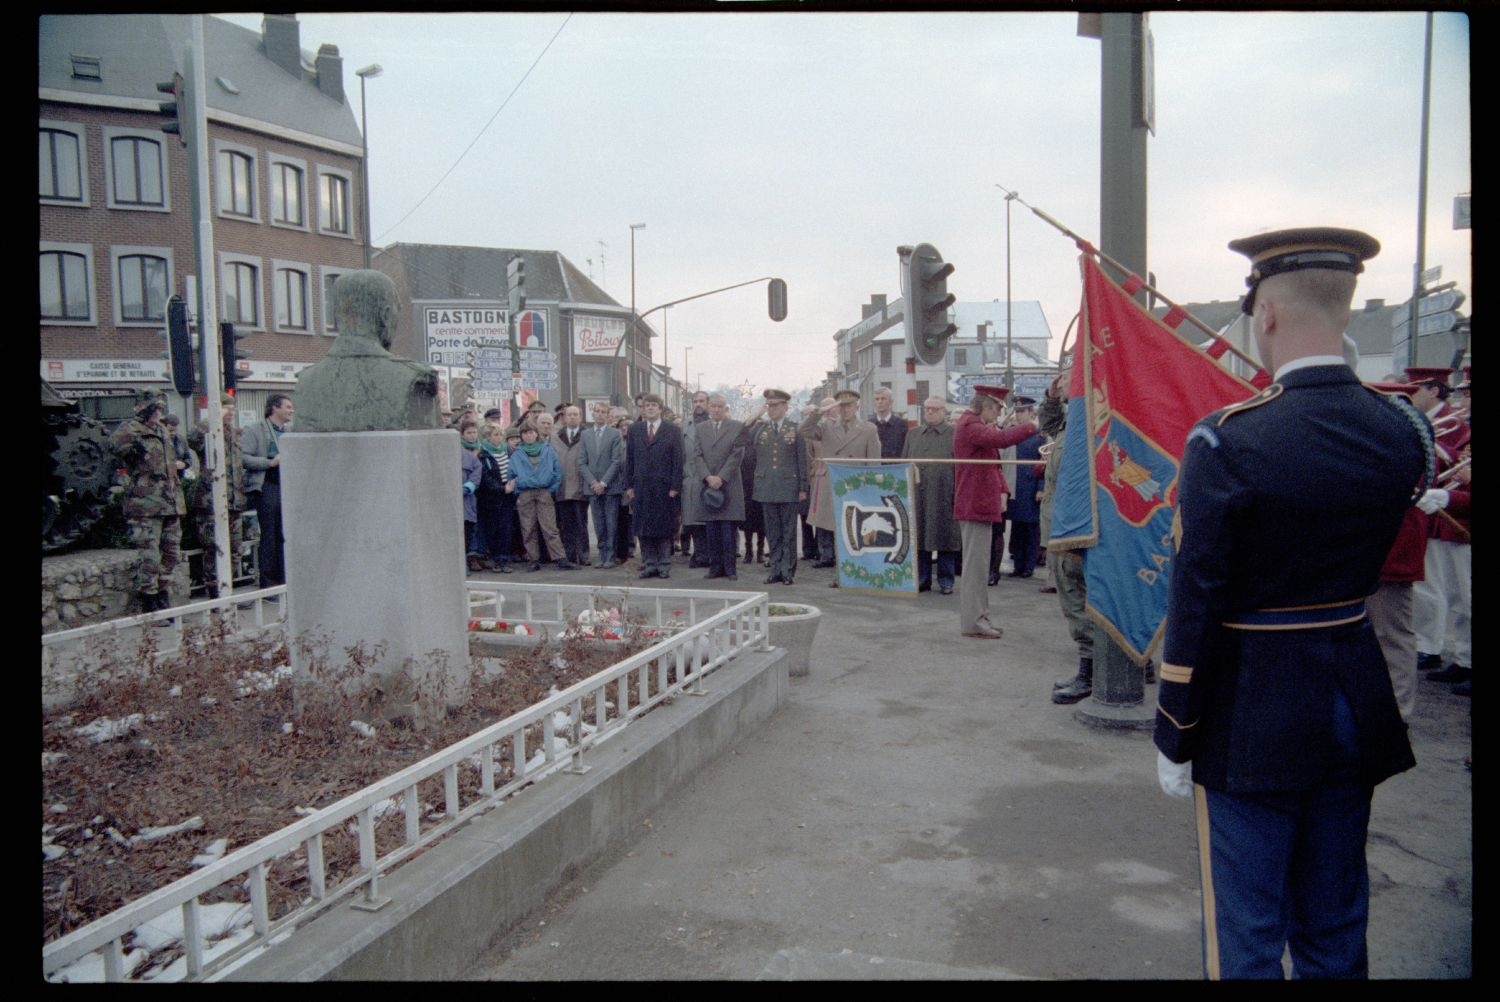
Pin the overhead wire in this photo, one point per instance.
(482, 131)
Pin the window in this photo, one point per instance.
(330, 275)
(241, 282)
(333, 201)
(65, 294)
(59, 164)
(291, 297)
(960, 357)
(286, 194)
(236, 179)
(885, 356)
(141, 284)
(136, 168)
(923, 391)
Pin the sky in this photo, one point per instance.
(809, 146)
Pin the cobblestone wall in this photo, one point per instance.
(92, 586)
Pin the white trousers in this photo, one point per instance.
(1444, 599)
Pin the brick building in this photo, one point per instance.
(115, 214)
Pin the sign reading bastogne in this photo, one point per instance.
(451, 329)
(596, 335)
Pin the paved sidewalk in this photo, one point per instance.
(922, 810)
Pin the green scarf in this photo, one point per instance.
(533, 449)
(491, 448)
(471, 446)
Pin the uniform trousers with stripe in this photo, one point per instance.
(1443, 599)
(1284, 871)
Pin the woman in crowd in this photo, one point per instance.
(497, 499)
(537, 474)
(468, 437)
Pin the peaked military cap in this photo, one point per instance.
(846, 396)
(998, 392)
(772, 396)
(1422, 376)
(1025, 401)
(1282, 251)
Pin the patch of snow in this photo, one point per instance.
(51, 758)
(176, 690)
(90, 970)
(166, 831)
(50, 851)
(364, 729)
(212, 853)
(104, 729)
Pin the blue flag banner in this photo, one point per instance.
(1136, 391)
(875, 526)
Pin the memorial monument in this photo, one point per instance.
(373, 513)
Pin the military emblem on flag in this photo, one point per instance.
(874, 526)
(1136, 391)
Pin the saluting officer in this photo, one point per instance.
(1273, 687)
(780, 480)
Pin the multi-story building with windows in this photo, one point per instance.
(115, 218)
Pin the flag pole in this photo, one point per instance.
(1155, 292)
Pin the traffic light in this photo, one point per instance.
(776, 299)
(180, 346)
(928, 298)
(229, 354)
(177, 110)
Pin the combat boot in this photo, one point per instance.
(1081, 687)
(1063, 683)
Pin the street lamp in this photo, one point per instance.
(634, 320)
(373, 70)
(1010, 376)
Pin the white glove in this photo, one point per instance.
(189, 475)
(1176, 778)
(1433, 500)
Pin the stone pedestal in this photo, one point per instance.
(1119, 700)
(374, 532)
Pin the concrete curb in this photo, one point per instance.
(455, 900)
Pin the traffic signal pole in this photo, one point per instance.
(193, 115)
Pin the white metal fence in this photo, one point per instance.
(710, 629)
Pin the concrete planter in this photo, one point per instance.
(795, 632)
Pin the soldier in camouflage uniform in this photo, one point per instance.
(153, 504)
(201, 496)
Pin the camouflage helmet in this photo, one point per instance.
(146, 397)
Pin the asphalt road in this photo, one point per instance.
(920, 809)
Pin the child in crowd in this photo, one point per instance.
(468, 437)
(497, 499)
(537, 473)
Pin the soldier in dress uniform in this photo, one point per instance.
(152, 503)
(1273, 689)
(780, 480)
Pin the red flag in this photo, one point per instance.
(1137, 391)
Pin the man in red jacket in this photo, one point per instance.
(977, 490)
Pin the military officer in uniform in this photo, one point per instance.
(780, 480)
(1273, 689)
(152, 503)
(843, 435)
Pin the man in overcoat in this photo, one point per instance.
(890, 426)
(262, 458)
(936, 528)
(714, 473)
(654, 466)
(844, 435)
(572, 496)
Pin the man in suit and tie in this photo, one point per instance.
(601, 467)
(654, 465)
(714, 471)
